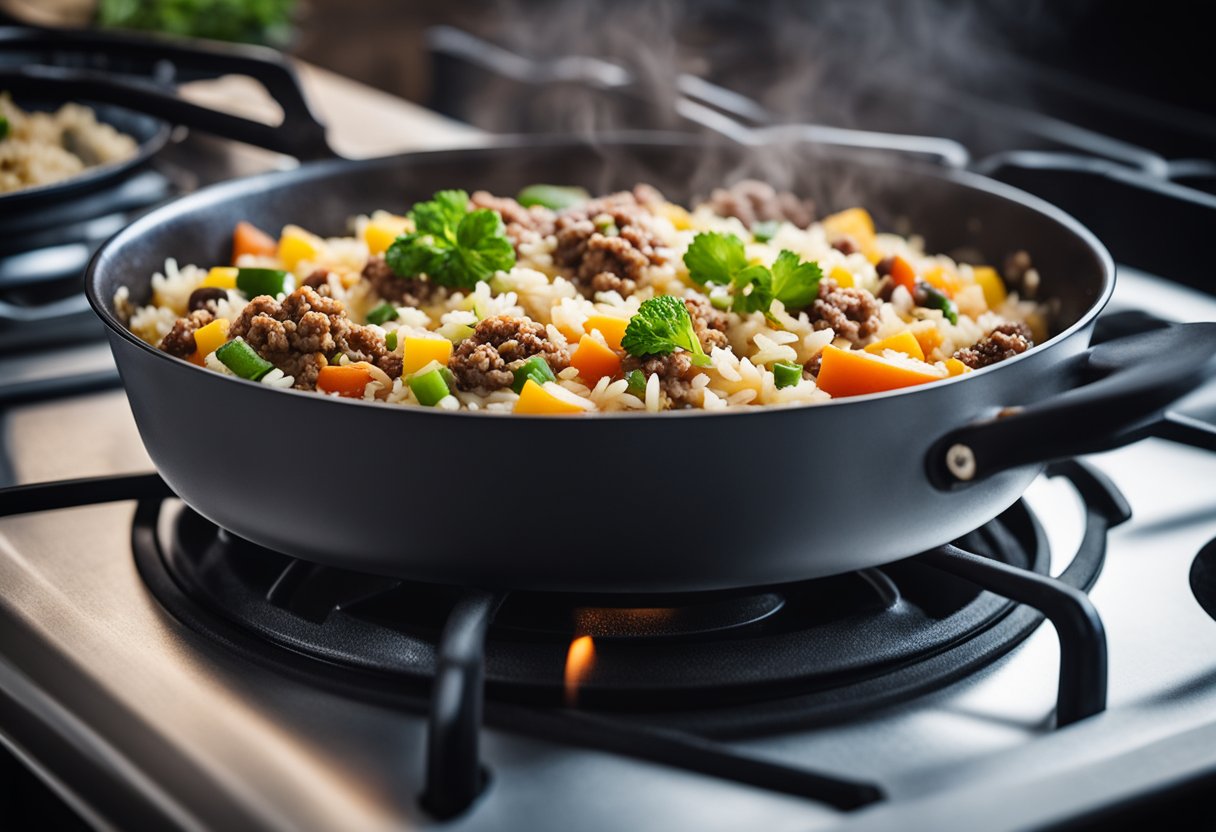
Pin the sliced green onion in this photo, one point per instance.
(254, 282)
(720, 298)
(335, 359)
(429, 388)
(535, 368)
(239, 357)
(555, 197)
(766, 230)
(384, 312)
(390, 341)
(787, 373)
(449, 377)
(608, 228)
(637, 383)
(936, 299)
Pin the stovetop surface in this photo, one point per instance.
(217, 741)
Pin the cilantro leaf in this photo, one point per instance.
(795, 283)
(753, 290)
(482, 247)
(720, 259)
(440, 216)
(660, 326)
(452, 245)
(713, 257)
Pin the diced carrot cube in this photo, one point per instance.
(902, 273)
(855, 372)
(611, 327)
(348, 380)
(247, 238)
(594, 360)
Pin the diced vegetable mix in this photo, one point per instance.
(429, 388)
(534, 369)
(254, 282)
(555, 197)
(461, 248)
(241, 358)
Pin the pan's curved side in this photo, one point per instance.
(664, 503)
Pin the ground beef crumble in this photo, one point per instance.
(399, 291)
(179, 341)
(487, 359)
(300, 334)
(1005, 341)
(675, 372)
(607, 243)
(752, 201)
(850, 313)
(709, 323)
(524, 225)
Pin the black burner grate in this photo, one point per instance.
(673, 671)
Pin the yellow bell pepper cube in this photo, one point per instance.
(611, 327)
(220, 277)
(939, 278)
(904, 342)
(422, 351)
(535, 399)
(843, 277)
(929, 339)
(679, 217)
(955, 367)
(209, 338)
(379, 233)
(857, 224)
(994, 288)
(297, 245)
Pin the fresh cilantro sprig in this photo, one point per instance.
(660, 326)
(719, 259)
(450, 244)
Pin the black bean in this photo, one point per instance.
(199, 298)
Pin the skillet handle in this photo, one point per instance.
(300, 134)
(1123, 384)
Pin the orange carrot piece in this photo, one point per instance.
(349, 380)
(247, 238)
(904, 342)
(612, 328)
(902, 273)
(594, 360)
(854, 373)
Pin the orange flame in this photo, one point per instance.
(580, 658)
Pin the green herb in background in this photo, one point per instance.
(244, 21)
(3, 127)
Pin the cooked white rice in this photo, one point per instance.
(740, 375)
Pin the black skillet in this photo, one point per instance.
(634, 502)
(129, 76)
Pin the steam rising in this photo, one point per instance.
(597, 67)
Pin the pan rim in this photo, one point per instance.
(219, 193)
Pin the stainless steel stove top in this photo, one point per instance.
(139, 720)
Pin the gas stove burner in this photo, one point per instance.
(801, 653)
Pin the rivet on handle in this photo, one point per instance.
(960, 461)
